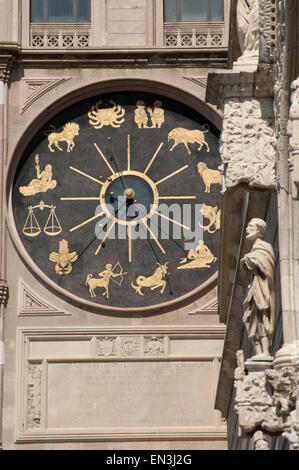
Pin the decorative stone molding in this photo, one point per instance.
(35, 88)
(31, 303)
(56, 35)
(293, 132)
(287, 362)
(201, 81)
(4, 292)
(264, 397)
(194, 34)
(6, 63)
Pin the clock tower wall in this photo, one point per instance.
(128, 362)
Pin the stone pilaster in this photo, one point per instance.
(6, 61)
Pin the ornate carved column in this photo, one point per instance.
(248, 149)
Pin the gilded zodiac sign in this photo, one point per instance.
(63, 258)
(106, 116)
(141, 118)
(209, 176)
(41, 183)
(52, 226)
(157, 115)
(184, 136)
(104, 280)
(213, 214)
(201, 257)
(154, 281)
(69, 132)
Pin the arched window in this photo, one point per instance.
(60, 11)
(193, 10)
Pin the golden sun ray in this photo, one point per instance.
(171, 174)
(154, 237)
(87, 176)
(129, 151)
(105, 238)
(130, 243)
(177, 197)
(104, 158)
(80, 198)
(153, 158)
(86, 222)
(171, 220)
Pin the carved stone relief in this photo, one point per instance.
(132, 346)
(31, 303)
(248, 142)
(264, 398)
(293, 132)
(34, 396)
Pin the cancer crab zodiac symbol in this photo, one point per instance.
(100, 117)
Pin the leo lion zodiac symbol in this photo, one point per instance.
(69, 132)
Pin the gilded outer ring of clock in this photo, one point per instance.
(140, 175)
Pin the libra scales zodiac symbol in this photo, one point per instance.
(52, 226)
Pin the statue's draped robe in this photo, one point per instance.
(248, 26)
(259, 304)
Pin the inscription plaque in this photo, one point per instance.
(131, 394)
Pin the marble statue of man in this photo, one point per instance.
(248, 26)
(259, 303)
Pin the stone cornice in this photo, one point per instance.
(235, 83)
(143, 57)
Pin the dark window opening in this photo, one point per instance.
(193, 10)
(60, 11)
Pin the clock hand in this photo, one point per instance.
(167, 234)
(116, 163)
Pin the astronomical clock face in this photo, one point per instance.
(117, 201)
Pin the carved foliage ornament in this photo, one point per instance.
(264, 399)
(248, 143)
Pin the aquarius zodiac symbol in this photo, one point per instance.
(63, 258)
(201, 257)
(42, 183)
(184, 136)
(104, 280)
(106, 116)
(52, 226)
(154, 281)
